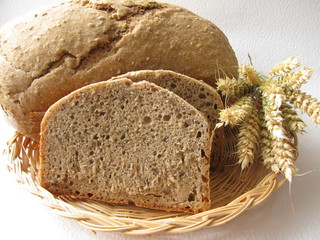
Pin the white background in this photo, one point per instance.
(270, 31)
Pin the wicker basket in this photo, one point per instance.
(233, 191)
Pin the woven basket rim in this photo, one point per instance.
(22, 153)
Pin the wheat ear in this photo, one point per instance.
(237, 112)
(305, 103)
(230, 87)
(249, 74)
(293, 122)
(297, 79)
(284, 67)
(248, 139)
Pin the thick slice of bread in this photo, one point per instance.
(125, 142)
(46, 56)
(199, 94)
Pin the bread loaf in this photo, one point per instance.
(125, 142)
(52, 53)
(199, 94)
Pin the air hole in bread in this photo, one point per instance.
(91, 153)
(96, 137)
(173, 85)
(203, 153)
(123, 136)
(204, 178)
(90, 195)
(166, 118)
(155, 171)
(179, 115)
(147, 120)
(202, 96)
(199, 134)
(215, 106)
(77, 192)
(191, 197)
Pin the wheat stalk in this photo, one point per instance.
(277, 153)
(248, 139)
(266, 149)
(284, 155)
(284, 67)
(293, 122)
(230, 87)
(297, 79)
(250, 75)
(237, 112)
(306, 103)
(278, 120)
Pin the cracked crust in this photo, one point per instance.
(50, 54)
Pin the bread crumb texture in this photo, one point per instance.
(125, 142)
(197, 93)
(47, 55)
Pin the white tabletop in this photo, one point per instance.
(270, 31)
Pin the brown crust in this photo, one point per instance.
(32, 85)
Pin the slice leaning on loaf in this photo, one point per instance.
(125, 142)
(199, 94)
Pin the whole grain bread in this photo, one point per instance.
(46, 56)
(124, 142)
(197, 93)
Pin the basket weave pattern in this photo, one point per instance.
(233, 191)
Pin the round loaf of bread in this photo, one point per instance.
(47, 55)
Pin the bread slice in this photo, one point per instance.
(125, 142)
(199, 94)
